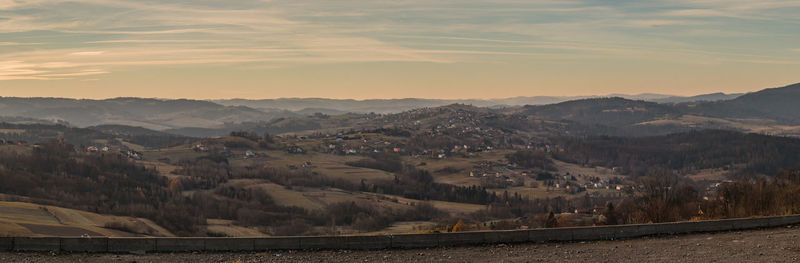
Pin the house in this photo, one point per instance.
(200, 148)
(134, 155)
(294, 149)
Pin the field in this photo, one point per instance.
(12, 131)
(227, 228)
(451, 170)
(27, 219)
(317, 198)
(328, 164)
(708, 175)
(763, 126)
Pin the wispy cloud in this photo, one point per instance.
(87, 53)
(55, 39)
(662, 22)
(17, 44)
(85, 72)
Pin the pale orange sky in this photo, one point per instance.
(371, 49)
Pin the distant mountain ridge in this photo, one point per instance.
(719, 96)
(614, 111)
(655, 113)
(153, 114)
(399, 105)
(782, 104)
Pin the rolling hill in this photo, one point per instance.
(775, 103)
(148, 113)
(773, 111)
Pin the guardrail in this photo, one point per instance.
(185, 244)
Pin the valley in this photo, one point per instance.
(574, 163)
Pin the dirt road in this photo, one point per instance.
(768, 245)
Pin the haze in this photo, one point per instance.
(390, 49)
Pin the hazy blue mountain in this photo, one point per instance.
(302, 105)
(156, 114)
(213, 118)
(305, 106)
(705, 97)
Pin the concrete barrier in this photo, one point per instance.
(631, 231)
(37, 244)
(782, 220)
(507, 236)
(593, 233)
(167, 244)
(334, 242)
(415, 240)
(550, 235)
(6, 244)
(369, 242)
(84, 244)
(130, 245)
(750, 223)
(670, 228)
(121, 245)
(461, 239)
(229, 244)
(276, 243)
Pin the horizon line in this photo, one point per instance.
(611, 95)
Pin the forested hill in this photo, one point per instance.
(603, 111)
(748, 154)
(114, 135)
(777, 103)
(770, 111)
(149, 113)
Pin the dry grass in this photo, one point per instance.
(749, 125)
(332, 166)
(287, 197)
(574, 169)
(18, 218)
(708, 175)
(12, 131)
(227, 228)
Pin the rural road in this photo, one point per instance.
(766, 245)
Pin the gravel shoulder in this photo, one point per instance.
(765, 245)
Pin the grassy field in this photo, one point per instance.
(227, 228)
(12, 131)
(463, 165)
(280, 194)
(27, 219)
(316, 198)
(709, 175)
(575, 170)
(329, 165)
(750, 125)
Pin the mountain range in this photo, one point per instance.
(773, 111)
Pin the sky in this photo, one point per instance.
(363, 49)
